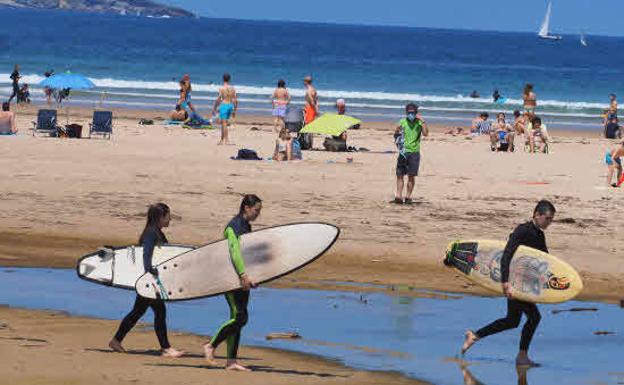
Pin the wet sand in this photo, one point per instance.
(62, 198)
(43, 347)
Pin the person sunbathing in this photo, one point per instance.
(539, 134)
(7, 120)
(283, 146)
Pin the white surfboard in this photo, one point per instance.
(122, 266)
(268, 253)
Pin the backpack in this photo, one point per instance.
(247, 154)
(335, 145)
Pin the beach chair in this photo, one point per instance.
(102, 124)
(46, 123)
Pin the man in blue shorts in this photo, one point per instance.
(407, 139)
(226, 103)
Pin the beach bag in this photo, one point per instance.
(305, 140)
(296, 150)
(335, 145)
(247, 154)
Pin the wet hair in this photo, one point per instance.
(249, 200)
(536, 120)
(226, 77)
(528, 89)
(484, 115)
(281, 83)
(516, 114)
(6, 106)
(411, 106)
(154, 214)
(543, 207)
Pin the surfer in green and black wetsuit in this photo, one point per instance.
(237, 300)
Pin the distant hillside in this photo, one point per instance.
(123, 7)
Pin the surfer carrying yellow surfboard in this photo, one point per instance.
(529, 234)
(237, 300)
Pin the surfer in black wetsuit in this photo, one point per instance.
(529, 234)
(238, 299)
(15, 77)
(158, 216)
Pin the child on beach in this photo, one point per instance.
(613, 159)
(537, 132)
(283, 146)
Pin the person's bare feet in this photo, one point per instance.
(209, 355)
(220, 143)
(523, 360)
(116, 346)
(469, 340)
(172, 353)
(234, 365)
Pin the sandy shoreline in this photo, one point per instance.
(45, 347)
(62, 198)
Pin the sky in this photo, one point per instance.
(597, 17)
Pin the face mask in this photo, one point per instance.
(411, 116)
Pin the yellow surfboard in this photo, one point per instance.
(535, 276)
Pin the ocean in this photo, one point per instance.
(135, 61)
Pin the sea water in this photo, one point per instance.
(419, 337)
(136, 62)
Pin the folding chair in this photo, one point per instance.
(46, 123)
(102, 124)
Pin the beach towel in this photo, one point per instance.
(191, 126)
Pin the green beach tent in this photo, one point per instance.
(330, 124)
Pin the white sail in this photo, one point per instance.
(545, 29)
(583, 40)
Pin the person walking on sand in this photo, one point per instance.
(279, 101)
(529, 98)
(15, 77)
(158, 217)
(613, 159)
(238, 299)
(227, 104)
(529, 234)
(407, 137)
(311, 110)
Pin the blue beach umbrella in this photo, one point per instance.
(67, 80)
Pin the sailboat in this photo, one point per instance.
(544, 32)
(583, 40)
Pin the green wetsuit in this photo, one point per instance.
(237, 300)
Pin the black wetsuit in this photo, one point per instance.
(527, 234)
(238, 299)
(151, 238)
(15, 79)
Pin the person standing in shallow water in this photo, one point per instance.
(158, 216)
(238, 299)
(529, 234)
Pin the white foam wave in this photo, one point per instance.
(355, 98)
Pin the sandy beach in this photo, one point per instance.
(62, 198)
(71, 348)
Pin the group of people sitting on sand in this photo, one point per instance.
(503, 134)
